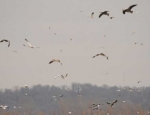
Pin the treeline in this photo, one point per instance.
(76, 98)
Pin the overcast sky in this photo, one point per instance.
(128, 62)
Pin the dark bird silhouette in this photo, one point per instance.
(102, 54)
(104, 13)
(4, 40)
(128, 9)
(139, 81)
(92, 14)
(64, 77)
(111, 104)
(112, 17)
(54, 60)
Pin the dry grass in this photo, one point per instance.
(63, 109)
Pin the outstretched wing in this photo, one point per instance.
(28, 42)
(114, 102)
(8, 43)
(132, 6)
(101, 14)
(51, 62)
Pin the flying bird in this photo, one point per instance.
(4, 40)
(104, 13)
(61, 95)
(64, 77)
(92, 14)
(29, 44)
(4, 107)
(128, 9)
(102, 54)
(112, 17)
(55, 60)
(139, 81)
(130, 89)
(111, 104)
(123, 101)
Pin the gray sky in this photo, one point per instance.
(31, 19)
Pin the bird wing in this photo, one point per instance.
(62, 76)
(28, 42)
(96, 55)
(4, 40)
(51, 61)
(8, 43)
(115, 101)
(132, 6)
(102, 54)
(105, 12)
(107, 58)
(101, 14)
(93, 57)
(66, 75)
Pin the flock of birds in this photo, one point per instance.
(128, 10)
(94, 106)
